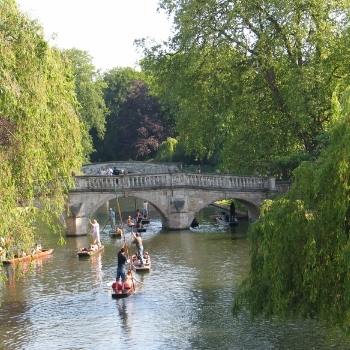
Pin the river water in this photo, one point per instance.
(185, 302)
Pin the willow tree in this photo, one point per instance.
(253, 77)
(39, 128)
(300, 252)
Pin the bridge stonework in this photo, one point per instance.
(177, 196)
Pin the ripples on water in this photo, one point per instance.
(184, 303)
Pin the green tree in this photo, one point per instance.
(300, 247)
(39, 127)
(137, 122)
(89, 87)
(255, 77)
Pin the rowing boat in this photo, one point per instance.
(86, 252)
(138, 266)
(42, 253)
(145, 221)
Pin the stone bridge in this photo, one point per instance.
(177, 196)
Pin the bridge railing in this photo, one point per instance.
(171, 180)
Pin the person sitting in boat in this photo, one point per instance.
(37, 249)
(128, 283)
(138, 217)
(139, 246)
(95, 232)
(119, 231)
(93, 247)
(122, 261)
(130, 222)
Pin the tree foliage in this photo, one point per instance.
(300, 247)
(89, 87)
(137, 122)
(40, 130)
(252, 80)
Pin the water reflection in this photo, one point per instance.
(184, 302)
(96, 267)
(123, 315)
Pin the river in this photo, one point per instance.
(185, 302)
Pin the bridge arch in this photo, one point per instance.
(252, 206)
(177, 196)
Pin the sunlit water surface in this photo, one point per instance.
(185, 302)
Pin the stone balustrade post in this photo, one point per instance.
(272, 183)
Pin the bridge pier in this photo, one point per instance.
(77, 226)
(179, 221)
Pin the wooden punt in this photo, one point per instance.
(44, 252)
(86, 252)
(116, 234)
(123, 293)
(138, 267)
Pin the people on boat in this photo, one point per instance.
(232, 211)
(225, 216)
(112, 217)
(37, 249)
(139, 246)
(95, 232)
(128, 283)
(121, 268)
(145, 209)
(119, 231)
(130, 221)
(138, 216)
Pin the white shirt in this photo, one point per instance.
(96, 230)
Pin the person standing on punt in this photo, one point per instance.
(139, 246)
(145, 209)
(95, 232)
(112, 217)
(122, 261)
(232, 211)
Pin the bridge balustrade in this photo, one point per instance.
(144, 181)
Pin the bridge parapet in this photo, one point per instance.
(145, 181)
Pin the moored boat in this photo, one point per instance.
(42, 253)
(145, 221)
(141, 229)
(137, 264)
(86, 252)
